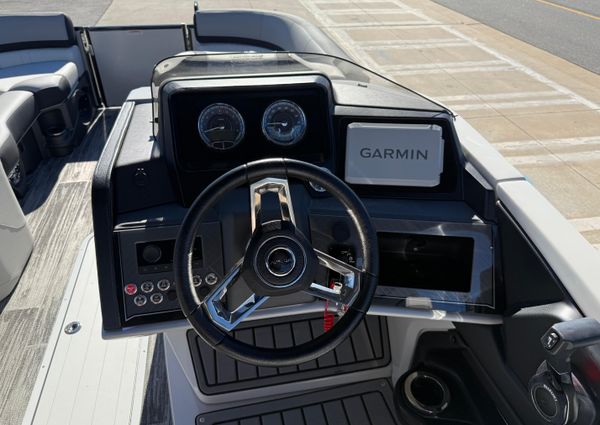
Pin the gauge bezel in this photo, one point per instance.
(210, 144)
(299, 137)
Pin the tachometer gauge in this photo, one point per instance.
(284, 123)
(221, 126)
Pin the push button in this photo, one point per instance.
(156, 298)
(163, 284)
(211, 279)
(196, 280)
(140, 300)
(130, 289)
(147, 287)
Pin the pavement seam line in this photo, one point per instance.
(356, 49)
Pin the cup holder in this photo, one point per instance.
(85, 109)
(426, 393)
(59, 137)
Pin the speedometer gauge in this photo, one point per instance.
(284, 123)
(221, 126)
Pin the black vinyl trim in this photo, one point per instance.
(311, 32)
(70, 30)
(240, 40)
(42, 44)
(103, 216)
(528, 278)
(133, 27)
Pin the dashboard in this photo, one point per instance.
(215, 131)
(432, 217)
(215, 128)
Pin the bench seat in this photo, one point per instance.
(12, 76)
(17, 113)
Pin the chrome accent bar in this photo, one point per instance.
(275, 185)
(221, 315)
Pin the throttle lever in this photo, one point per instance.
(564, 338)
(557, 395)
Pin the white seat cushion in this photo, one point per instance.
(13, 75)
(17, 112)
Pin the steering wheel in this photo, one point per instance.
(279, 260)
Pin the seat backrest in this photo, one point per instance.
(21, 32)
(26, 39)
(265, 30)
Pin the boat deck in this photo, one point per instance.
(84, 379)
(58, 212)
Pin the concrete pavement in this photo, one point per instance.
(565, 28)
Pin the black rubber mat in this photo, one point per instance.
(216, 373)
(363, 403)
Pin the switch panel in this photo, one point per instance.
(148, 285)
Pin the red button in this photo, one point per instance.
(130, 289)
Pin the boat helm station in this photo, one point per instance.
(313, 242)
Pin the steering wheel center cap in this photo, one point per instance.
(280, 261)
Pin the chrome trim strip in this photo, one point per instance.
(275, 185)
(217, 311)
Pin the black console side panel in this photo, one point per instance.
(528, 279)
(367, 348)
(103, 211)
(364, 403)
(486, 344)
(479, 194)
(141, 174)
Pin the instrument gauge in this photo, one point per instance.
(284, 123)
(221, 126)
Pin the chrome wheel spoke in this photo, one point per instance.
(224, 317)
(274, 185)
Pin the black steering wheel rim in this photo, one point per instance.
(191, 303)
